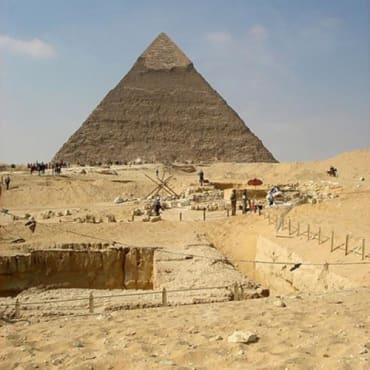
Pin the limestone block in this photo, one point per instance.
(245, 337)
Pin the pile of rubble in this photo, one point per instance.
(49, 214)
(308, 192)
(195, 197)
(205, 197)
(317, 192)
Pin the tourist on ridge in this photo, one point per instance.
(233, 202)
(332, 171)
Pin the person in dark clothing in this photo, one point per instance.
(233, 202)
(332, 171)
(157, 205)
(7, 182)
(201, 177)
(244, 201)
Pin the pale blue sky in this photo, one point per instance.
(297, 72)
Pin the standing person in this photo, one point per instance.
(270, 198)
(201, 177)
(233, 202)
(157, 172)
(157, 205)
(7, 182)
(244, 201)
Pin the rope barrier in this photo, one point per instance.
(115, 242)
(52, 301)
(266, 262)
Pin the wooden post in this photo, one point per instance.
(298, 227)
(17, 309)
(180, 216)
(91, 303)
(308, 231)
(164, 297)
(332, 242)
(363, 249)
(319, 236)
(347, 242)
(289, 226)
(204, 214)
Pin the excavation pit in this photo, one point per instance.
(113, 268)
(59, 281)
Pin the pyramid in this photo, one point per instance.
(163, 110)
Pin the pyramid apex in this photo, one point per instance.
(163, 53)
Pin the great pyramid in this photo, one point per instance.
(163, 110)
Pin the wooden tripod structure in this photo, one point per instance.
(162, 184)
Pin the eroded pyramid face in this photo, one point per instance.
(163, 110)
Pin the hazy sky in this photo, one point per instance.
(297, 72)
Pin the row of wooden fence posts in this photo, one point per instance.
(319, 235)
(91, 303)
(237, 291)
(204, 214)
(205, 210)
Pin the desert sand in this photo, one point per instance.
(316, 316)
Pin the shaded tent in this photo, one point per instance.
(255, 182)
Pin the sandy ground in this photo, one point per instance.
(328, 331)
(318, 330)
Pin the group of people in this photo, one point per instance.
(41, 167)
(247, 204)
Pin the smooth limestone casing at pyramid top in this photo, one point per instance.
(163, 110)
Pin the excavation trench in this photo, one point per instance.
(113, 268)
(270, 263)
(70, 269)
